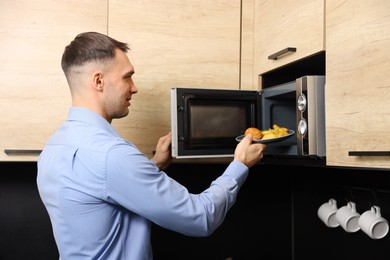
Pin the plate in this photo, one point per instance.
(269, 140)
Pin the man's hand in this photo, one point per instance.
(247, 152)
(163, 157)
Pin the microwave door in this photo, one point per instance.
(206, 122)
(174, 123)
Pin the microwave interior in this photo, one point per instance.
(206, 122)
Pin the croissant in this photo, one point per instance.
(256, 133)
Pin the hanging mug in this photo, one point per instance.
(373, 224)
(348, 218)
(327, 213)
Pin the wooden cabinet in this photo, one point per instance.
(358, 82)
(279, 25)
(202, 44)
(34, 96)
(185, 43)
(174, 43)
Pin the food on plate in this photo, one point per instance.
(274, 132)
(256, 133)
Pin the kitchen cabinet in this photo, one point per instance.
(186, 43)
(358, 83)
(193, 44)
(34, 96)
(279, 25)
(202, 44)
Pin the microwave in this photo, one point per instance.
(205, 121)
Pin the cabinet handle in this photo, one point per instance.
(22, 151)
(282, 52)
(369, 153)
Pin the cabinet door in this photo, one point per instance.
(173, 43)
(358, 82)
(34, 96)
(281, 24)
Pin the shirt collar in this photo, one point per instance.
(90, 117)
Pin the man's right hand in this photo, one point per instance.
(247, 152)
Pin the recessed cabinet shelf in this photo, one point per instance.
(312, 65)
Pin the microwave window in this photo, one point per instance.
(222, 121)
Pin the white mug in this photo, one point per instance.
(373, 224)
(327, 213)
(348, 218)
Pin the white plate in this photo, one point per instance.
(269, 140)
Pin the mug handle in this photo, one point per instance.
(352, 206)
(376, 210)
(333, 203)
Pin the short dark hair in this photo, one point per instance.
(90, 46)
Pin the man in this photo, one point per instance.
(100, 191)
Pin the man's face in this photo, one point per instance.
(118, 87)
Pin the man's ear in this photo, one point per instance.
(98, 81)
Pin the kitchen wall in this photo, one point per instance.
(275, 216)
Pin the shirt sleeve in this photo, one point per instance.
(135, 183)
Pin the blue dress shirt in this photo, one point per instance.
(102, 193)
